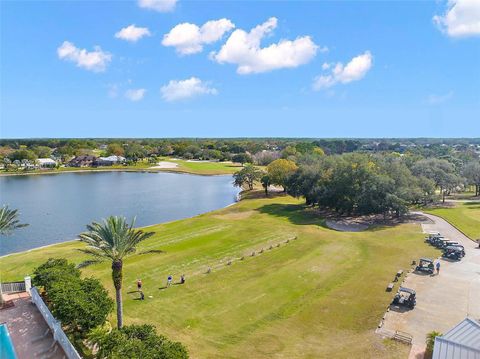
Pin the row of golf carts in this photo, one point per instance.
(407, 297)
(451, 249)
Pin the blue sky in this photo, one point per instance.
(311, 69)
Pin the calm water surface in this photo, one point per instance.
(58, 206)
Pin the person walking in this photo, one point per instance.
(438, 267)
(182, 279)
(169, 281)
(139, 285)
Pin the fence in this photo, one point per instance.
(13, 287)
(58, 333)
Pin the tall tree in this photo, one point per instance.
(247, 176)
(280, 170)
(471, 171)
(113, 240)
(440, 171)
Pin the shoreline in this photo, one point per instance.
(141, 170)
(237, 199)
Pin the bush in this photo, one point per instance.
(430, 341)
(79, 304)
(54, 270)
(137, 342)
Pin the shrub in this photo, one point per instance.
(53, 270)
(137, 342)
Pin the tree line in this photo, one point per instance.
(363, 183)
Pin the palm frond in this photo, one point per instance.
(113, 238)
(9, 220)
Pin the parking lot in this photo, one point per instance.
(442, 300)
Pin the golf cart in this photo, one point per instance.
(405, 297)
(440, 243)
(425, 265)
(435, 240)
(446, 244)
(455, 253)
(431, 236)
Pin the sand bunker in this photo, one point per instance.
(165, 164)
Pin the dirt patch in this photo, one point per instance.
(362, 223)
(234, 215)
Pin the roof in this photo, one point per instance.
(426, 260)
(112, 158)
(406, 290)
(461, 342)
(46, 160)
(84, 158)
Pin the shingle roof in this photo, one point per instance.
(461, 342)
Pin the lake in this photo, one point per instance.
(58, 206)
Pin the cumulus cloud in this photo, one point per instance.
(132, 33)
(189, 38)
(461, 19)
(135, 94)
(158, 5)
(355, 70)
(183, 89)
(96, 60)
(244, 50)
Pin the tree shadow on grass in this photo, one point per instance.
(473, 205)
(295, 213)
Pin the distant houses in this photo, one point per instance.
(93, 161)
(83, 161)
(109, 161)
(46, 163)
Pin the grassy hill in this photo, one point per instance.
(319, 295)
(465, 216)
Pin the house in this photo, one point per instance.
(109, 161)
(461, 342)
(46, 163)
(83, 161)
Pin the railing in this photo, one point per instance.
(58, 333)
(13, 287)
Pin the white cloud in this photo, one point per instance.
(182, 89)
(96, 60)
(434, 99)
(132, 33)
(461, 19)
(355, 70)
(158, 5)
(189, 38)
(135, 94)
(243, 49)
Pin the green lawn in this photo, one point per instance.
(321, 295)
(205, 168)
(465, 216)
(195, 167)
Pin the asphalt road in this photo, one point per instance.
(442, 300)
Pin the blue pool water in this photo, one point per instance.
(6, 345)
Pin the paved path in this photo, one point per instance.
(442, 300)
(27, 327)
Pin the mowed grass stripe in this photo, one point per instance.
(317, 296)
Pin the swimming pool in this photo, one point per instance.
(6, 346)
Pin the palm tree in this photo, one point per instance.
(8, 223)
(9, 220)
(113, 240)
